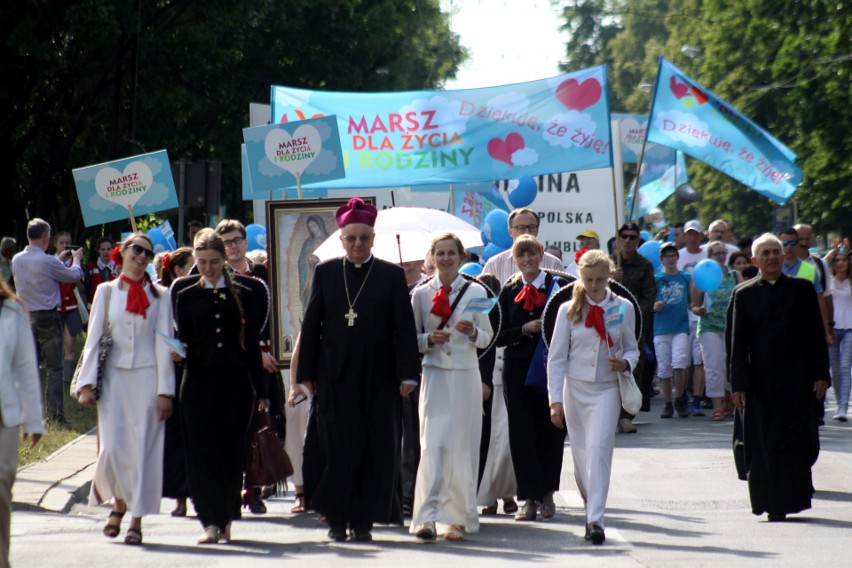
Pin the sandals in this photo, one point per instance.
(492, 509)
(210, 535)
(112, 530)
(454, 533)
(426, 531)
(528, 513)
(510, 507)
(548, 507)
(299, 506)
(718, 415)
(133, 536)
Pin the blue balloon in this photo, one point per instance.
(651, 251)
(496, 228)
(707, 275)
(490, 250)
(645, 235)
(256, 237)
(471, 269)
(485, 239)
(158, 240)
(522, 191)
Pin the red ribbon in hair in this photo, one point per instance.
(579, 254)
(137, 299)
(441, 303)
(531, 297)
(595, 319)
(115, 255)
(167, 262)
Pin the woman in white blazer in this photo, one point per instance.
(137, 390)
(21, 401)
(450, 396)
(583, 366)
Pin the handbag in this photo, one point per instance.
(631, 396)
(81, 307)
(104, 347)
(268, 462)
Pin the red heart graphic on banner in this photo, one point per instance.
(578, 96)
(502, 150)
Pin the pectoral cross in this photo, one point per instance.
(350, 317)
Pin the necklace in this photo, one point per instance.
(352, 314)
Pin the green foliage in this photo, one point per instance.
(68, 88)
(784, 63)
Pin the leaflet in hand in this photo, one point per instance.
(174, 343)
(481, 305)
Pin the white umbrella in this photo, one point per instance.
(414, 228)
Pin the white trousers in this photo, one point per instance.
(591, 410)
(713, 353)
(297, 425)
(450, 431)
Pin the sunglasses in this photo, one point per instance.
(629, 237)
(789, 243)
(138, 249)
(352, 238)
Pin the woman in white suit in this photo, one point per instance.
(583, 365)
(450, 396)
(21, 401)
(137, 390)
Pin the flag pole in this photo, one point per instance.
(633, 208)
(615, 133)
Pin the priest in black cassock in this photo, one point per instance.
(778, 365)
(359, 354)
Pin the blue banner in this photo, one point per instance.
(278, 154)
(689, 118)
(474, 135)
(663, 170)
(142, 182)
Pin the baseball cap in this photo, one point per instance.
(693, 225)
(629, 226)
(667, 246)
(589, 234)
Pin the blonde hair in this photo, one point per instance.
(590, 259)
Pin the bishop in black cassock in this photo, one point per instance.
(359, 353)
(778, 365)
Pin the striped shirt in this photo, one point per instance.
(503, 266)
(37, 275)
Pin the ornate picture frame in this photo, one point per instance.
(295, 229)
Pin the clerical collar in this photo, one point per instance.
(209, 285)
(359, 265)
(538, 282)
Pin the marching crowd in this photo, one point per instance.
(431, 393)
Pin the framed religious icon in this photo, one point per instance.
(295, 230)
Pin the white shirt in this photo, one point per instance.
(19, 380)
(503, 266)
(576, 351)
(459, 352)
(842, 294)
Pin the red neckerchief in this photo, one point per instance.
(137, 299)
(531, 297)
(441, 303)
(595, 319)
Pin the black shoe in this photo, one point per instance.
(254, 502)
(776, 517)
(360, 535)
(668, 411)
(595, 533)
(680, 407)
(337, 534)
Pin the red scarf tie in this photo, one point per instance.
(531, 297)
(137, 299)
(441, 303)
(595, 319)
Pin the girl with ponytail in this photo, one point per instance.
(583, 366)
(218, 322)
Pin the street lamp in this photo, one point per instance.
(690, 51)
(645, 87)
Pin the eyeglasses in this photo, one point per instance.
(350, 239)
(138, 249)
(235, 242)
(629, 237)
(529, 228)
(790, 243)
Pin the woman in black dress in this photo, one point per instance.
(536, 444)
(218, 322)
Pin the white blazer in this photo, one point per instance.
(459, 352)
(19, 380)
(135, 343)
(574, 348)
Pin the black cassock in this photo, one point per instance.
(221, 382)
(776, 351)
(357, 372)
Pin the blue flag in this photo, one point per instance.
(663, 170)
(688, 117)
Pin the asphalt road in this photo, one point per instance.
(674, 501)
